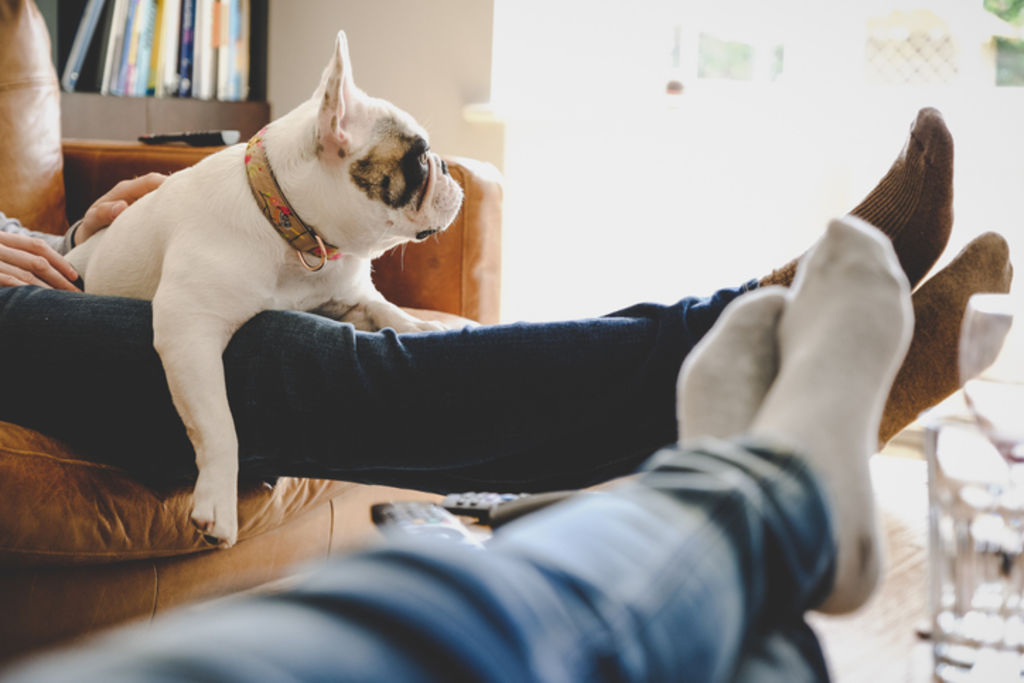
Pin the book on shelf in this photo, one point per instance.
(93, 74)
(223, 47)
(139, 74)
(229, 72)
(186, 57)
(204, 58)
(82, 43)
(233, 50)
(240, 56)
(184, 48)
(164, 71)
(115, 39)
(129, 42)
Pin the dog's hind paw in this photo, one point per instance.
(217, 520)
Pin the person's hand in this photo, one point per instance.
(108, 207)
(28, 260)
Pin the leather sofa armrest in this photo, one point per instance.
(456, 272)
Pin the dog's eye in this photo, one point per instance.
(421, 148)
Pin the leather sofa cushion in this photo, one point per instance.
(31, 159)
(58, 509)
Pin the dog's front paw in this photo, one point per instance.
(215, 511)
(428, 326)
(407, 323)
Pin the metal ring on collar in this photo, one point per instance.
(323, 256)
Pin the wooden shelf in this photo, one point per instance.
(104, 117)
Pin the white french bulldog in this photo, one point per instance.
(289, 221)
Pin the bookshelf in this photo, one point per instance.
(87, 114)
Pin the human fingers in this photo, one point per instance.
(28, 260)
(134, 188)
(109, 206)
(101, 214)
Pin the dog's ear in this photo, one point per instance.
(335, 97)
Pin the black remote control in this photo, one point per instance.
(495, 509)
(422, 519)
(478, 504)
(195, 138)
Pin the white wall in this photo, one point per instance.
(430, 58)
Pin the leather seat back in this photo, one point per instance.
(31, 161)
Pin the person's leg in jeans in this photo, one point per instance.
(690, 571)
(512, 407)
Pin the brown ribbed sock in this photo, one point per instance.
(930, 370)
(912, 203)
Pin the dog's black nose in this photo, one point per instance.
(444, 167)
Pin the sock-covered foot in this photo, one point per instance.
(912, 204)
(726, 376)
(842, 335)
(930, 371)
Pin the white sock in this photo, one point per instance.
(844, 331)
(725, 377)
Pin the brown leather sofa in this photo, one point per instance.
(82, 545)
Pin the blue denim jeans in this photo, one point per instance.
(520, 407)
(699, 569)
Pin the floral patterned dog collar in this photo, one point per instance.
(271, 200)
